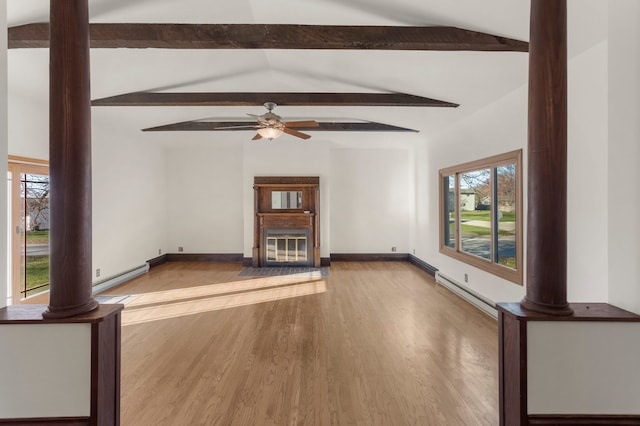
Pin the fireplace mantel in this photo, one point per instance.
(286, 220)
(304, 215)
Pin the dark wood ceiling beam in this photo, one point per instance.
(225, 126)
(281, 98)
(273, 36)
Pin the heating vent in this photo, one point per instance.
(469, 295)
(115, 280)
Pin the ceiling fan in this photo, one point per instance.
(271, 125)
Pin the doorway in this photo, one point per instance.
(29, 228)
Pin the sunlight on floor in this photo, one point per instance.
(161, 305)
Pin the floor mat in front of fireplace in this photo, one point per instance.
(273, 271)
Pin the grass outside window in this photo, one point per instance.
(36, 267)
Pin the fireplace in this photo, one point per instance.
(287, 221)
(287, 247)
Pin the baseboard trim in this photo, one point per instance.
(421, 264)
(368, 257)
(116, 280)
(324, 261)
(476, 299)
(157, 261)
(584, 420)
(205, 257)
(62, 421)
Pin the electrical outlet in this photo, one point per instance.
(414, 251)
(393, 249)
(180, 249)
(159, 251)
(466, 278)
(97, 272)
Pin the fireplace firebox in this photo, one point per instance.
(288, 247)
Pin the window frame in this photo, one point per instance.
(16, 167)
(488, 265)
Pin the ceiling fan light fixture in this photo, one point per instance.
(269, 132)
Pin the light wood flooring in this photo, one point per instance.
(370, 344)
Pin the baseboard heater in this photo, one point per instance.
(115, 280)
(469, 295)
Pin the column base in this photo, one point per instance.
(556, 310)
(70, 311)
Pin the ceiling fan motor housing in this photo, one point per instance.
(271, 125)
(271, 119)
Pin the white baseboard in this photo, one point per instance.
(118, 279)
(477, 300)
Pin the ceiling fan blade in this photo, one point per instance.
(248, 126)
(296, 133)
(256, 137)
(308, 123)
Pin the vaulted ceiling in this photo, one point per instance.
(471, 79)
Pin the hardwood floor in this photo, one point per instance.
(370, 344)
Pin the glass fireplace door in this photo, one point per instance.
(287, 247)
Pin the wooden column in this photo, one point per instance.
(70, 160)
(547, 156)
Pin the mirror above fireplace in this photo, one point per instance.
(286, 200)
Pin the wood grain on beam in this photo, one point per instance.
(282, 99)
(273, 36)
(223, 126)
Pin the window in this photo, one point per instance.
(481, 214)
(29, 230)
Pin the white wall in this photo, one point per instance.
(3, 152)
(624, 154)
(287, 157)
(45, 370)
(29, 114)
(587, 210)
(205, 199)
(366, 197)
(583, 367)
(129, 196)
(371, 200)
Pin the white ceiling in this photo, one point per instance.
(471, 79)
